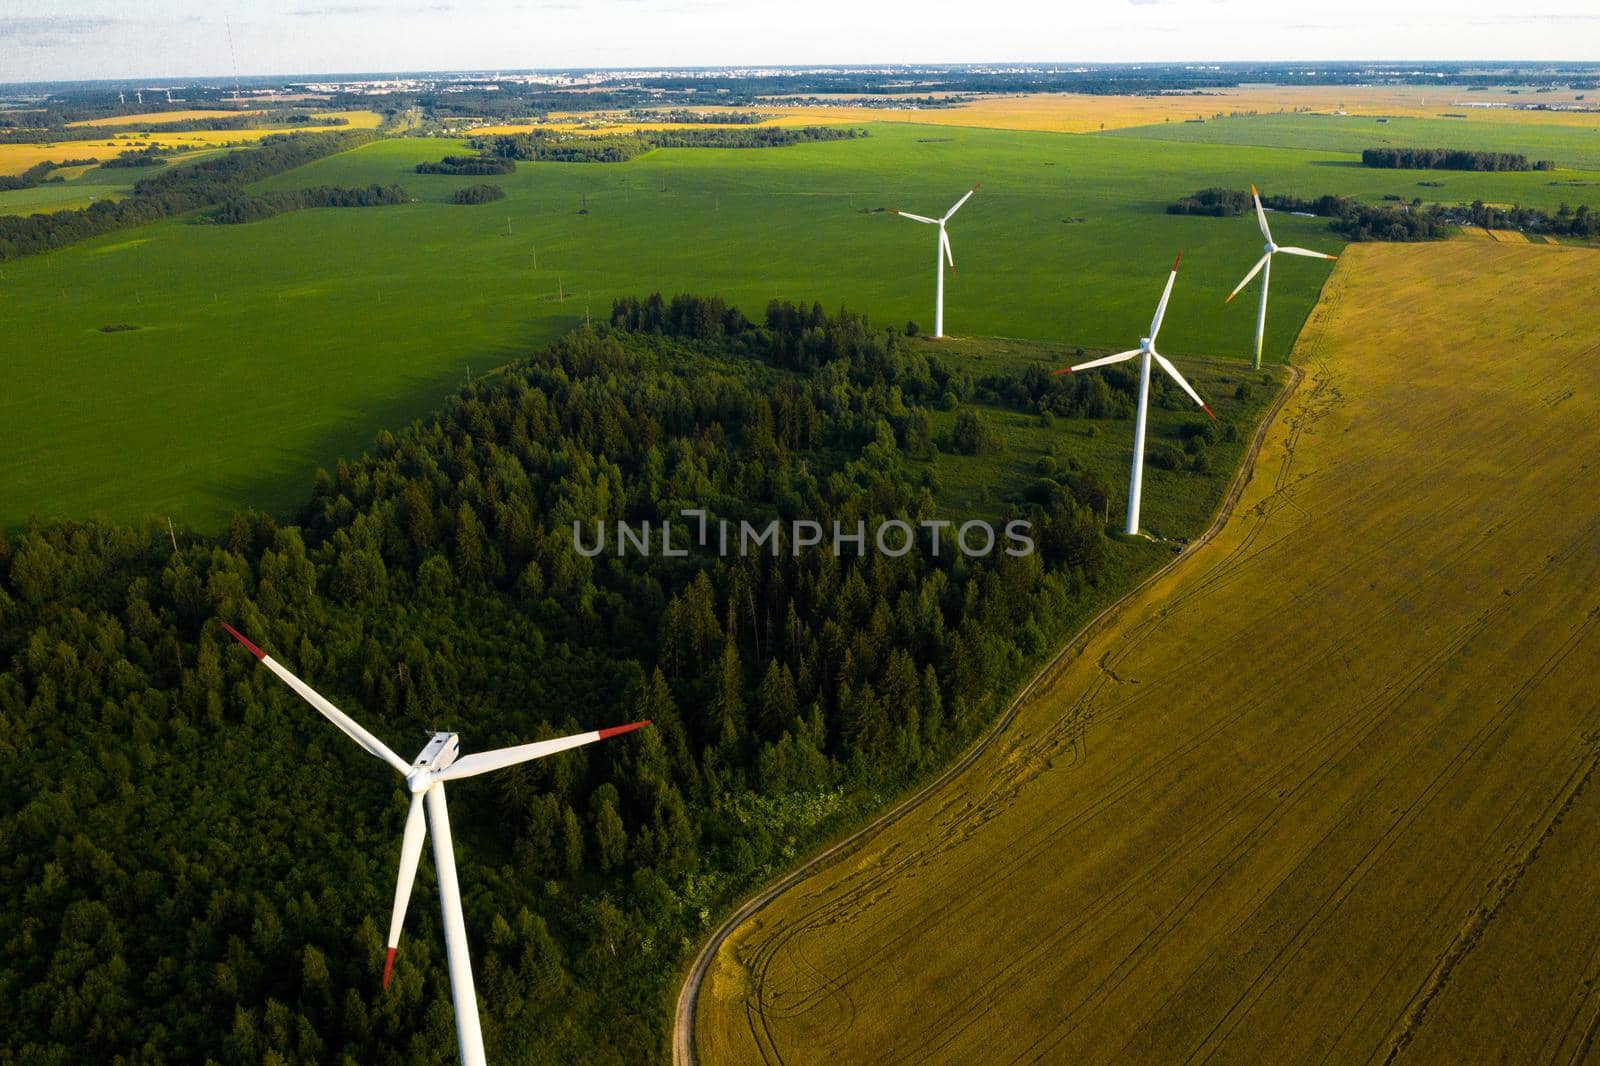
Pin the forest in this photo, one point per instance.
(174, 191)
(206, 866)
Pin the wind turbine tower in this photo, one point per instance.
(1146, 353)
(1264, 267)
(941, 255)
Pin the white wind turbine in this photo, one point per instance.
(438, 762)
(1147, 349)
(1265, 264)
(941, 255)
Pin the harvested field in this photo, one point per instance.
(1326, 792)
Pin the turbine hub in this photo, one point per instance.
(442, 750)
(1271, 247)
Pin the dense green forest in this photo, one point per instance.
(202, 867)
(174, 191)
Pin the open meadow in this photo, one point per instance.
(262, 351)
(1324, 792)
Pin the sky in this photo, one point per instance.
(152, 39)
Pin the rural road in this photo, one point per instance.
(683, 1042)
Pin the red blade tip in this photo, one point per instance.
(240, 637)
(388, 967)
(1253, 191)
(1063, 370)
(978, 186)
(617, 730)
(1207, 410)
(1176, 261)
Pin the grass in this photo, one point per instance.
(1175, 502)
(1324, 792)
(1574, 146)
(268, 349)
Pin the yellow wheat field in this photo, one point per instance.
(155, 117)
(15, 158)
(1325, 793)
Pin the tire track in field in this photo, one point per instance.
(1373, 717)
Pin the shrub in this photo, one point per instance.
(478, 194)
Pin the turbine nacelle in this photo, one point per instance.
(439, 753)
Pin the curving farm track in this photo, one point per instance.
(1324, 792)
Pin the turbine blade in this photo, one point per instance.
(1261, 215)
(484, 761)
(410, 853)
(944, 239)
(1166, 294)
(1307, 252)
(1247, 278)
(346, 724)
(1104, 360)
(1184, 385)
(964, 199)
(914, 218)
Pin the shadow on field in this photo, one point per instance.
(280, 484)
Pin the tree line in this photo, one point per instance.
(258, 206)
(478, 194)
(1351, 219)
(504, 150)
(208, 867)
(1449, 159)
(39, 174)
(174, 191)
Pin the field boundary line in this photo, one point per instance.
(684, 1052)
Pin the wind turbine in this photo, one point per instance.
(1146, 349)
(1265, 264)
(438, 762)
(941, 255)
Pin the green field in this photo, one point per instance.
(1569, 146)
(264, 351)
